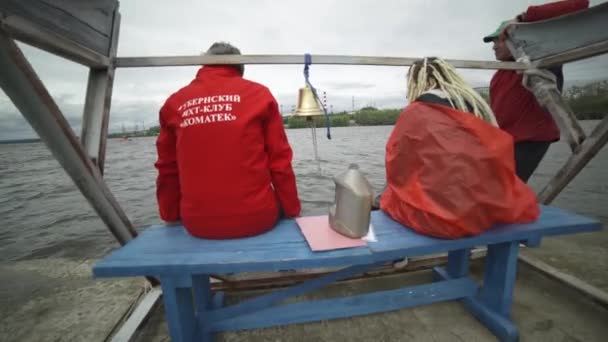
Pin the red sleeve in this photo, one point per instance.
(553, 9)
(167, 182)
(280, 155)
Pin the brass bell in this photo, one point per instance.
(308, 106)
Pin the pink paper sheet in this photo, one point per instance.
(321, 237)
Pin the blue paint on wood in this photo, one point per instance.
(183, 263)
(202, 293)
(179, 311)
(201, 289)
(217, 301)
(183, 281)
(533, 241)
(170, 251)
(440, 274)
(350, 306)
(499, 324)
(499, 277)
(392, 237)
(458, 263)
(255, 304)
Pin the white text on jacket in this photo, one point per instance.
(208, 109)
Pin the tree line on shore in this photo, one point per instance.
(588, 102)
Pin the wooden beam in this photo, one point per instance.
(572, 55)
(568, 124)
(266, 280)
(163, 61)
(588, 149)
(557, 36)
(128, 329)
(98, 99)
(25, 31)
(85, 23)
(588, 290)
(22, 85)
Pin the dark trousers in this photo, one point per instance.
(528, 155)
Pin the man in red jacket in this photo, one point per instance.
(517, 110)
(224, 162)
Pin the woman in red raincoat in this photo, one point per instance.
(450, 170)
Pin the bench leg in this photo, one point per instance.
(457, 267)
(499, 277)
(179, 311)
(492, 305)
(458, 263)
(201, 287)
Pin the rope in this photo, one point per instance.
(307, 63)
(541, 82)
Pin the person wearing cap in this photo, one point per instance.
(224, 161)
(516, 108)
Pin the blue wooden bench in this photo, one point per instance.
(194, 312)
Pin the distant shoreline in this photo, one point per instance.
(37, 140)
(20, 141)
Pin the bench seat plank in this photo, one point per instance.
(171, 251)
(552, 221)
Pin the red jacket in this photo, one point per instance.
(224, 162)
(516, 108)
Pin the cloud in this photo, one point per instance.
(413, 28)
(349, 85)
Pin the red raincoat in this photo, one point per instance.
(224, 162)
(450, 174)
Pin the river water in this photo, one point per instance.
(44, 215)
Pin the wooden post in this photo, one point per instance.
(22, 85)
(588, 149)
(96, 114)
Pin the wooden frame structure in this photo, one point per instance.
(87, 33)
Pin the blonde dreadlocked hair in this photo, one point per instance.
(434, 73)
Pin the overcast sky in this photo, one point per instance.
(405, 28)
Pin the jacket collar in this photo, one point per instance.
(437, 92)
(217, 71)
